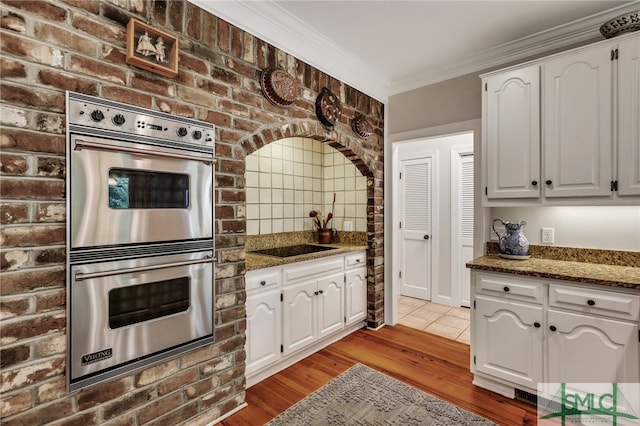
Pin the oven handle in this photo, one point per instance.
(100, 147)
(79, 276)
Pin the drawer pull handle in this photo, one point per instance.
(263, 283)
(315, 292)
(534, 183)
(536, 324)
(591, 302)
(506, 289)
(553, 328)
(321, 291)
(549, 182)
(357, 260)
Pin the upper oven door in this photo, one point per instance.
(130, 193)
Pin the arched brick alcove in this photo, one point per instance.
(369, 165)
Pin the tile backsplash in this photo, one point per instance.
(288, 178)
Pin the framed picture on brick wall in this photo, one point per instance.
(151, 49)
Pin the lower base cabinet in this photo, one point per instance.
(531, 331)
(586, 349)
(298, 308)
(264, 313)
(312, 309)
(508, 343)
(355, 295)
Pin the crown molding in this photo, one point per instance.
(579, 31)
(275, 25)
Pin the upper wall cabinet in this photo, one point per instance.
(512, 125)
(629, 117)
(577, 131)
(564, 130)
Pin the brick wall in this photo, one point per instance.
(78, 45)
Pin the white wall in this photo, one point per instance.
(602, 227)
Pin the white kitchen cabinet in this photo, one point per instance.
(526, 331)
(578, 141)
(577, 117)
(589, 349)
(591, 325)
(509, 340)
(295, 309)
(312, 309)
(355, 287)
(264, 325)
(355, 295)
(300, 315)
(330, 299)
(264, 319)
(629, 117)
(512, 130)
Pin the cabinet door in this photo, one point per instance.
(264, 327)
(513, 134)
(585, 349)
(629, 117)
(356, 295)
(577, 122)
(330, 301)
(508, 340)
(299, 315)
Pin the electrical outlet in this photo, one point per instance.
(347, 225)
(547, 235)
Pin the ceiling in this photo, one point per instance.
(387, 47)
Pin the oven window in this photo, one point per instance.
(139, 189)
(144, 302)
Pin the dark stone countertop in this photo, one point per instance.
(582, 272)
(255, 261)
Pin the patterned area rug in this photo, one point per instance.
(363, 396)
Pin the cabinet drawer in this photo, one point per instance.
(262, 280)
(510, 287)
(600, 302)
(313, 268)
(355, 260)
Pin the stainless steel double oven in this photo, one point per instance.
(140, 245)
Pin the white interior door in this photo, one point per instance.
(415, 227)
(466, 228)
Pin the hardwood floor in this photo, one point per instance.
(434, 364)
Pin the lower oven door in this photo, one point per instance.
(128, 314)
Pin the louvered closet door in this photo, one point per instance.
(466, 225)
(415, 227)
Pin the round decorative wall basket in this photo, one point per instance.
(626, 23)
(278, 86)
(328, 108)
(361, 126)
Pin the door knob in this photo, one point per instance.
(426, 237)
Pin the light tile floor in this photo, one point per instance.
(442, 320)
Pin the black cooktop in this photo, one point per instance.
(293, 250)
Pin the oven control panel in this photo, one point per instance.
(98, 113)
